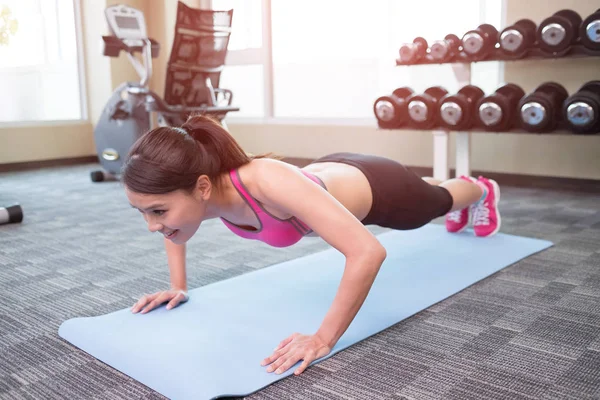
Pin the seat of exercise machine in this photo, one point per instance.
(128, 28)
(198, 58)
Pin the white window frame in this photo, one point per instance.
(83, 104)
(258, 56)
(264, 56)
(83, 100)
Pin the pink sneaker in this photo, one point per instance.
(457, 221)
(486, 218)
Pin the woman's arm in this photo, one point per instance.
(176, 261)
(178, 292)
(284, 187)
(357, 279)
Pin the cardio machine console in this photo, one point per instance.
(127, 24)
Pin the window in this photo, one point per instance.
(247, 20)
(39, 66)
(246, 73)
(332, 59)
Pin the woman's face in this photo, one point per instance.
(177, 215)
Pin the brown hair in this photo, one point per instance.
(167, 159)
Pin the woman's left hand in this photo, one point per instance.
(293, 349)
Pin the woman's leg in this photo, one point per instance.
(463, 192)
(483, 194)
(432, 181)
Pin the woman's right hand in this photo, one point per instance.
(150, 301)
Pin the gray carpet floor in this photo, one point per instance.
(530, 331)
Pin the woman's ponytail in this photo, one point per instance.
(168, 159)
(218, 143)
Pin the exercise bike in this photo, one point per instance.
(196, 61)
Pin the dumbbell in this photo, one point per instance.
(558, 32)
(422, 108)
(11, 214)
(589, 32)
(391, 111)
(496, 112)
(443, 50)
(456, 111)
(541, 110)
(517, 38)
(480, 42)
(581, 110)
(413, 52)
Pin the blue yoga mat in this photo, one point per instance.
(212, 346)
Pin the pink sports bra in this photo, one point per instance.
(273, 231)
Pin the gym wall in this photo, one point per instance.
(569, 156)
(562, 156)
(556, 155)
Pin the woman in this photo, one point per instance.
(179, 177)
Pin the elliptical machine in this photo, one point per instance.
(128, 113)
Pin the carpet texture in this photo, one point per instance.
(531, 331)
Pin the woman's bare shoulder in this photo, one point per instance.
(257, 170)
(259, 166)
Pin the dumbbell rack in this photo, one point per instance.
(586, 45)
(574, 51)
(462, 71)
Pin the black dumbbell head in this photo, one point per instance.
(456, 111)
(551, 88)
(582, 109)
(496, 112)
(421, 43)
(589, 31)
(474, 93)
(571, 15)
(96, 176)
(511, 91)
(411, 52)
(540, 110)
(480, 41)
(517, 38)
(15, 214)
(558, 32)
(527, 25)
(11, 214)
(437, 92)
(582, 116)
(403, 92)
(442, 49)
(490, 30)
(591, 86)
(387, 112)
(422, 108)
(390, 111)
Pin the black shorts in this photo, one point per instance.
(401, 199)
